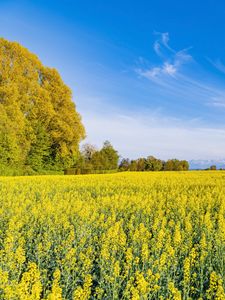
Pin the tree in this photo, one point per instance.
(105, 159)
(39, 123)
(39, 153)
(185, 165)
(213, 167)
(153, 164)
(176, 165)
(133, 165)
(124, 164)
(88, 151)
(141, 162)
(98, 162)
(9, 150)
(110, 157)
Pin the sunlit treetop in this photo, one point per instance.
(39, 123)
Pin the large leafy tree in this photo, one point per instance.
(153, 164)
(110, 156)
(105, 159)
(39, 124)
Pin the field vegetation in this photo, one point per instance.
(158, 235)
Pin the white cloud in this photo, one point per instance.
(150, 73)
(171, 60)
(157, 47)
(172, 78)
(156, 72)
(162, 42)
(165, 39)
(169, 69)
(144, 133)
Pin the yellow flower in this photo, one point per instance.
(117, 268)
(83, 293)
(174, 291)
(56, 293)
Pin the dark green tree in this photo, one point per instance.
(213, 167)
(133, 165)
(40, 149)
(141, 163)
(109, 156)
(176, 165)
(153, 164)
(124, 164)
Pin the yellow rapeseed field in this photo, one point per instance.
(118, 236)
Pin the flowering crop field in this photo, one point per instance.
(117, 236)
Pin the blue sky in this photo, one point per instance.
(147, 75)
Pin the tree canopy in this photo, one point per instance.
(39, 124)
(91, 159)
(153, 164)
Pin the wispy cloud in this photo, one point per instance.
(162, 43)
(176, 74)
(157, 130)
(155, 72)
(171, 60)
(218, 65)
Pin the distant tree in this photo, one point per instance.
(105, 159)
(97, 161)
(87, 151)
(153, 164)
(133, 165)
(141, 163)
(124, 164)
(185, 165)
(79, 164)
(176, 165)
(169, 165)
(109, 156)
(213, 167)
(163, 165)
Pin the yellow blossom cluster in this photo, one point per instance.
(158, 235)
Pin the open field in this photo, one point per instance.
(115, 236)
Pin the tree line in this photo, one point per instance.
(153, 164)
(92, 160)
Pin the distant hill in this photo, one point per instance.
(204, 164)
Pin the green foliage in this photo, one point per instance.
(213, 167)
(39, 124)
(39, 154)
(124, 164)
(108, 156)
(153, 164)
(92, 160)
(176, 165)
